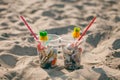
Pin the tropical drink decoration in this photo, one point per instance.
(76, 32)
(43, 35)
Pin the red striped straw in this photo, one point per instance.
(25, 22)
(85, 30)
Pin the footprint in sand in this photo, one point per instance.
(1, 38)
(80, 7)
(111, 1)
(4, 78)
(5, 35)
(113, 61)
(61, 30)
(13, 76)
(69, 1)
(116, 44)
(117, 19)
(58, 5)
(94, 39)
(2, 9)
(89, 18)
(49, 13)
(9, 60)
(13, 19)
(30, 39)
(4, 24)
(21, 24)
(21, 51)
(3, 2)
(33, 11)
(90, 4)
(116, 54)
(55, 13)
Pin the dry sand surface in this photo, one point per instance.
(101, 44)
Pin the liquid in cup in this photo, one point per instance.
(48, 54)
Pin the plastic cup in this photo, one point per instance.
(53, 41)
(48, 55)
(72, 55)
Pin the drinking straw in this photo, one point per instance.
(85, 30)
(25, 22)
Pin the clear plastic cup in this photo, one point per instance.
(53, 41)
(48, 55)
(72, 54)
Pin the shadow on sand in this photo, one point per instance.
(21, 51)
(61, 30)
(103, 75)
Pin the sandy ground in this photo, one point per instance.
(101, 44)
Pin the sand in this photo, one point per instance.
(101, 44)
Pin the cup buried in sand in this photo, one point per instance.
(71, 53)
(48, 53)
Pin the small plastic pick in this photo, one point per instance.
(43, 35)
(76, 32)
(76, 29)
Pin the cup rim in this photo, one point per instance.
(54, 39)
(58, 37)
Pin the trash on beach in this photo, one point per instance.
(47, 50)
(48, 55)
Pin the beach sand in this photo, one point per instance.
(101, 44)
